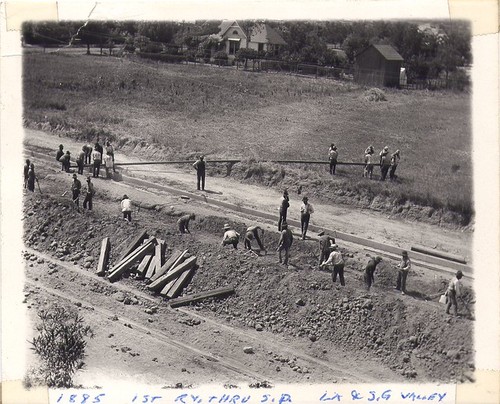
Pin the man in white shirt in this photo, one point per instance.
(96, 156)
(230, 237)
(335, 261)
(126, 208)
(305, 214)
(454, 290)
(404, 267)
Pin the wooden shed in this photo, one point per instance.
(378, 65)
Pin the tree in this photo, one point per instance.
(60, 344)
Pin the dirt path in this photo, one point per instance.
(363, 223)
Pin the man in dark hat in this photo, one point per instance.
(285, 204)
(75, 191)
(96, 156)
(306, 209)
(454, 290)
(370, 270)
(59, 154)
(199, 166)
(26, 171)
(89, 194)
(80, 160)
(404, 267)
(385, 163)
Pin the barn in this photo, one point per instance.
(378, 65)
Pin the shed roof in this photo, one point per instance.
(387, 51)
(264, 33)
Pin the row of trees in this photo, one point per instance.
(426, 53)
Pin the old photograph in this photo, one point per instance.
(248, 202)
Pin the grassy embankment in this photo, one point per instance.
(228, 113)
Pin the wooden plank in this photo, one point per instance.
(439, 254)
(183, 301)
(158, 259)
(169, 264)
(102, 265)
(136, 242)
(143, 266)
(174, 273)
(179, 284)
(167, 287)
(137, 255)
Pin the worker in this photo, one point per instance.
(76, 186)
(404, 267)
(230, 236)
(66, 161)
(368, 170)
(325, 241)
(31, 178)
(284, 205)
(253, 233)
(183, 223)
(25, 172)
(199, 166)
(370, 270)
(369, 150)
(89, 194)
(108, 165)
(98, 148)
(126, 206)
(454, 290)
(284, 243)
(96, 156)
(332, 157)
(395, 157)
(110, 151)
(306, 209)
(385, 163)
(80, 161)
(88, 153)
(336, 262)
(59, 154)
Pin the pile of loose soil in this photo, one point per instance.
(406, 333)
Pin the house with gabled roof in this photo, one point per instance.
(264, 38)
(378, 65)
(232, 37)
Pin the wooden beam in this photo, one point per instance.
(137, 255)
(157, 261)
(179, 284)
(439, 254)
(172, 274)
(136, 242)
(171, 262)
(102, 265)
(183, 301)
(167, 287)
(143, 266)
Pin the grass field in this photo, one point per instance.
(223, 112)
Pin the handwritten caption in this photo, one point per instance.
(354, 395)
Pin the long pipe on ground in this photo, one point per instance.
(143, 163)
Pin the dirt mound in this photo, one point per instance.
(408, 334)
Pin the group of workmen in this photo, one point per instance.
(388, 162)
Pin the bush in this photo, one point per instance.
(129, 48)
(375, 94)
(60, 345)
(151, 47)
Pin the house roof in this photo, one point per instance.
(226, 25)
(387, 51)
(264, 33)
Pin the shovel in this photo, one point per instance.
(38, 183)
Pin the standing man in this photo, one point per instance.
(285, 204)
(253, 233)
(183, 223)
(199, 166)
(332, 157)
(368, 171)
(98, 148)
(385, 163)
(108, 165)
(110, 152)
(395, 157)
(126, 206)
(370, 270)
(404, 266)
(66, 161)
(306, 209)
(325, 241)
(31, 178)
(80, 161)
(454, 290)
(89, 194)
(230, 237)
(88, 153)
(59, 154)
(96, 156)
(336, 261)
(76, 186)
(25, 172)
(284, 243)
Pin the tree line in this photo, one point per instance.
(440, 49)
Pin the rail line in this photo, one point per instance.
(436, 263)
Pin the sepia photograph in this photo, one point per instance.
(247, 202)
